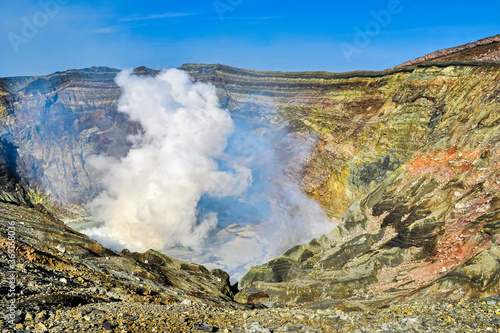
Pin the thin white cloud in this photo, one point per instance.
(155, 17)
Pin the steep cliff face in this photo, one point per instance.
(12, 188)
(57, 121)
(367, 123)
(429, 160)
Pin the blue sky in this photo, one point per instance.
(278, 35)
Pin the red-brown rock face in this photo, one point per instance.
(486, 49)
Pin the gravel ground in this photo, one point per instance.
(481, 315)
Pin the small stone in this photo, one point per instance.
(133, 318)
(42, 316)
(107, 326)
(203, 327)
(412, 321)
(270, 305)
(186, 302)
(256, 328)
(61, 248)
(63, 280)
(41, 327)
(300, 318)
(473, 325)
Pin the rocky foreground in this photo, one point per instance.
(464, 316)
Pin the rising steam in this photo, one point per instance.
(193, 186)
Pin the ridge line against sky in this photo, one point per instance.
(44, 36)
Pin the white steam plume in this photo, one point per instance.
(150, 196)
(199, 186)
